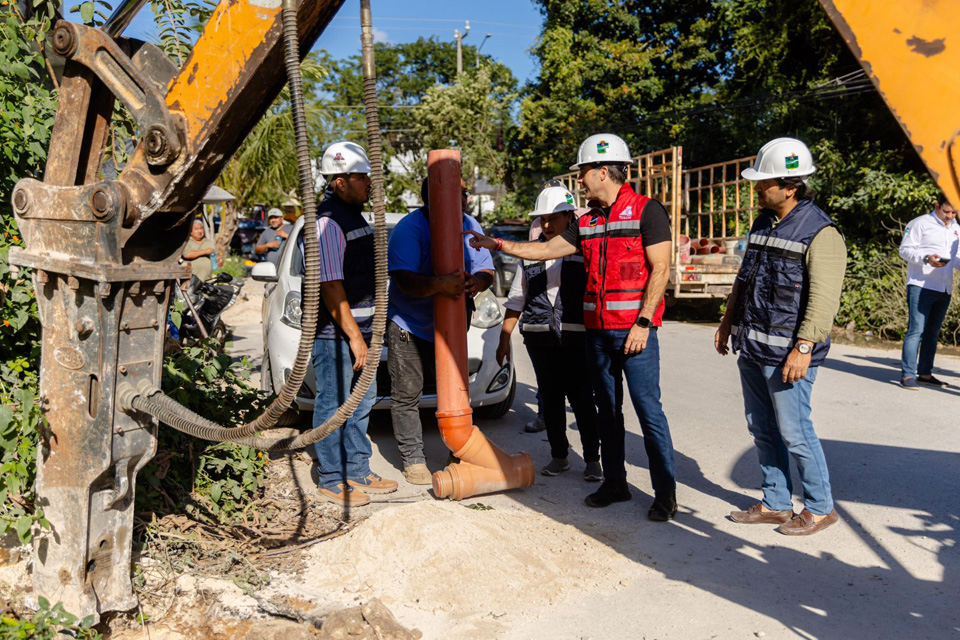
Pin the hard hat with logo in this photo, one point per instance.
(274, 213)
(553, 200)
(344, 157)
(781, 158)
(603, 148)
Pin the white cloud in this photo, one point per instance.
(379, 35)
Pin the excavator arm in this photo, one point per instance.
(105, 252)
(909, 53)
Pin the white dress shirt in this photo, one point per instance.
(925, 236)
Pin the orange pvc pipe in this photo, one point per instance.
(484, 467)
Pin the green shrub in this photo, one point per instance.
(48, 623)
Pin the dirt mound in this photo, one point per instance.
(460, 560)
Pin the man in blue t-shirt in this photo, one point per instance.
(410, 354)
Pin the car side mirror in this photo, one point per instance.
(264, 272)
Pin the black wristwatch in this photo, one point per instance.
(643, 322)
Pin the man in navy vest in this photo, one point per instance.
(344, 326)
(779, 316)
(626, 253)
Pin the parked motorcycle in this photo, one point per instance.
(204, 304)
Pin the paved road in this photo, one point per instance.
(891, 569)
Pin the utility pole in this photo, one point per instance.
(459, 38)
(485, 38)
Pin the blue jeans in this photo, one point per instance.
(927, 310)
(778, 417)
(344, 454)
(642, 372)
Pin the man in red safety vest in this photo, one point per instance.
(626, 252)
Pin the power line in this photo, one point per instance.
(450, 20)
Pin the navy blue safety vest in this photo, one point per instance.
(772, 286)
(543, 324)
(359, 274)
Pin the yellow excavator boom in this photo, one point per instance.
(912, 56)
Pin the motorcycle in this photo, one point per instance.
(203, 305)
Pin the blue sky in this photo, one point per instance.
(513, 25)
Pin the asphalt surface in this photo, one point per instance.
(889, 569)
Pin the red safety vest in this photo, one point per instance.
(616, 264)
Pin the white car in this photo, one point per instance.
(492, 387)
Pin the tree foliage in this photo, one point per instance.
(407, 75)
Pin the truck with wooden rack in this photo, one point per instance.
(711, 209)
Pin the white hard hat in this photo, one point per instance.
(603, 148)
(553, 200)
(781, 158)
(274, 213)
(344, 157)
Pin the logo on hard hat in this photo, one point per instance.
(569, 198)
(602, 146)
(793, 161)
(338, 157)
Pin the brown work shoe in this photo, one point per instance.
(417, 474)
(758, 514)
(344, 496)
(374, 484)
(804, 524)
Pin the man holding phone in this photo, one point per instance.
(930, 246)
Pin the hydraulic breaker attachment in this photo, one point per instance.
(105, 257)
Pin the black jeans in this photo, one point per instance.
(562, 373)
(410, 360)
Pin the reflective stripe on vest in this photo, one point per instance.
(765, 338)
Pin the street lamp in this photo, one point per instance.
(459, 38)
(485, 38)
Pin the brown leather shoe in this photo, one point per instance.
(374, 484)
(344, 496)
(803, 524)
(758, 515)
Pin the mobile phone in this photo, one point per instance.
(942, 260)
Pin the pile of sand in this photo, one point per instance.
(444, 557)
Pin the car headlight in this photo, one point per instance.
(292, 313)
(488, 313)
(500, 380)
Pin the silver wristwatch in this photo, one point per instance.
(804, 348)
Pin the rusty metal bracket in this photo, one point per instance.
(162, 134)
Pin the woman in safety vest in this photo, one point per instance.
(546, 299)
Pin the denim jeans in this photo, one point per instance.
(927, 309)
(562, 374)
(778, 417)
(344, 454)
(642, 372)
(410, 360)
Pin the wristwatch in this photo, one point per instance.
(643, 322)
(804, 347)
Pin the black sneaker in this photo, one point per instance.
(933, 382)
(662, 510)
(607, 494)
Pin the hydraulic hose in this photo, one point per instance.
(151, 400)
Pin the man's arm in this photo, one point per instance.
(558, 247)
(424, 286)
(263, 245)
(910, 245)
(722, 337)
(658, 259)
(478, 281)
(826, 262)
(335, 298)
(193, 255)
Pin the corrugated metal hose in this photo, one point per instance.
(153, 401)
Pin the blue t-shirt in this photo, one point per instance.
(409, 250)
